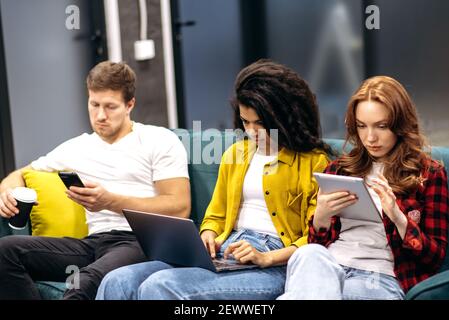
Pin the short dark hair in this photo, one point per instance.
(109, 75)
(283, 101)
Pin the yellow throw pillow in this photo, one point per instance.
(55, 215)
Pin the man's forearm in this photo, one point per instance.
(14, 179)
(162, 204)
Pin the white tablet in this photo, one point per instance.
(363, 209)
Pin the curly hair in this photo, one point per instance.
(403, 165)
(283, 101)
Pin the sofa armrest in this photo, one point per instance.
(433, 288)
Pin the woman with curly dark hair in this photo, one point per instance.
(264, 195)
(377, 260)
(282, 101)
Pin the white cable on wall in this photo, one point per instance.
(143, 48)
(143, 19)
(170, 86)
(113, 30)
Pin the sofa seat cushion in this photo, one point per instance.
(50, 290)
(435, 287)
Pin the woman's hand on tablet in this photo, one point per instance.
(329, 205)
(389, 205)
(387, 198)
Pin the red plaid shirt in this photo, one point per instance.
(420, 254)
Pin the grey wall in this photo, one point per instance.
(413, 46)
(151, 106)
(46, 67)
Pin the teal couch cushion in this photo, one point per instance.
(434, 288)
(204, 149)
(5, 230)
(337, 146)
(50, 290)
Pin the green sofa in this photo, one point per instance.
(203, 174)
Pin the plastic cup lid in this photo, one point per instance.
(24, 194)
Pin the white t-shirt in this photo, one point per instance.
(363, 245)
(127, 167)
(253, 211)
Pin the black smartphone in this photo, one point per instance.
(71, 179)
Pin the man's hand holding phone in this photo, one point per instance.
(93, 196)
(70, 179)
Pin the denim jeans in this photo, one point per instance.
(313, 273)
(157, 280)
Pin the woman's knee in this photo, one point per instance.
(308, 252)
(119, 284)
(119, 274)
(161, 285)
(115, 277)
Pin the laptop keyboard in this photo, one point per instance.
(223, 262)
(230, 264)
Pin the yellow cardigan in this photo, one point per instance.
(289, 190)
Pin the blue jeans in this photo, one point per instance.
(155, 280)
(313, 273)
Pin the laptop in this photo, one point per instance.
(175, 241)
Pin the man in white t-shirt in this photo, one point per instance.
(123, 164)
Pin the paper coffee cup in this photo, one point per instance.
(25, 198)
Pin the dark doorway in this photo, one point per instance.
(207, 37)
(6, 146)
